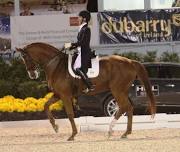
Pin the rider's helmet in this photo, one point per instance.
(85, 14)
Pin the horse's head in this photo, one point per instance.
(31, 67)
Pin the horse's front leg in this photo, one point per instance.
(52, 100)
(68, 105)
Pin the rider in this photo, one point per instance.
(83, 59)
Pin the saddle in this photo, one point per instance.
(92, 72)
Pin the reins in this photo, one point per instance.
(49, 62)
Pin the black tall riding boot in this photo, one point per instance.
(86, 80)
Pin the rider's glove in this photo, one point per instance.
(67, 45)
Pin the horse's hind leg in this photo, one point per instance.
(112, 124)
(52, 100)
(118, 114)
(129, 114)
(125, 107)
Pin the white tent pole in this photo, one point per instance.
(16, 7)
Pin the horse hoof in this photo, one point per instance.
(70, 138)
(124, 136)
(56, 128)
(109, 134)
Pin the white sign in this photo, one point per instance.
(141, 92)
(52, 29)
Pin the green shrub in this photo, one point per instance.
(133, 55)
(17, 71)
(31, 89)
(15, 81)
(169, 57)
(150, 56)
(4, 69)
(7, 88)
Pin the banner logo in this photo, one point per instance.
(138, 26)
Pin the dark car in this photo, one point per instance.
(165, 80)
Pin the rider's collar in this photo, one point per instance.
(80, 27)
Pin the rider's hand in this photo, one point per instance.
(72, 46)
(67, 45)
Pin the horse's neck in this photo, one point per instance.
(47, 58)
(57, 67)
(52, 64)
(42, 53)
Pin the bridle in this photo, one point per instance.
(27, 57)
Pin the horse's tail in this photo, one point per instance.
(143, 76)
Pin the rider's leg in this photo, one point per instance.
(85, 79)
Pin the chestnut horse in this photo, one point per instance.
(116, 74)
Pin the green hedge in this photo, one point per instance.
(15, 81)
(151, 56)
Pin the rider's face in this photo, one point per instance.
(80, 20)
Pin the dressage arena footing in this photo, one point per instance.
(89, 123)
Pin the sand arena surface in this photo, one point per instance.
(43, 139)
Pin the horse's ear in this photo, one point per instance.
(19, 49)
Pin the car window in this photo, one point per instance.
(175, 72)
(152, 71)
(163, 71)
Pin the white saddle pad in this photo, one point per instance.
(92, 72)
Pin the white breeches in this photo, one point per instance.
(77, 63)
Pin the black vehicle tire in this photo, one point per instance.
(110, 107)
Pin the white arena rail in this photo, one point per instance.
(89, 123)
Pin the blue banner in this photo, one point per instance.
(5, 41)
(4, 25)
(139, 26)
